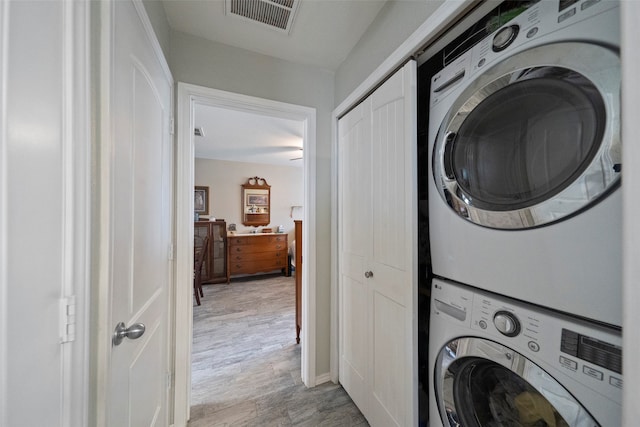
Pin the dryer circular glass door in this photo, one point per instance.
(482, 383)
(535, 139)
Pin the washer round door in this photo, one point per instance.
(534, 139)
(482, 383)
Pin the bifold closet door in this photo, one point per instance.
(378, 253)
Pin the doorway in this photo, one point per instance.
(190, 96)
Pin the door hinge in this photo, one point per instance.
(172, 126)
(68, 319)
(170, 254)
(169, 379)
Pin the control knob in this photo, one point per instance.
(505, 37)
(506, 323)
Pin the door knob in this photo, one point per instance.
(133, 332)
(368, 274)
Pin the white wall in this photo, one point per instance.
(201, 62)
(225, 178)
(44, 148)
(397, 20)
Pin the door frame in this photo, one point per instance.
(188, 97)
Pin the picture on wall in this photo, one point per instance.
(258, 199)
(201, 200)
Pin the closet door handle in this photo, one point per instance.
(368, 274)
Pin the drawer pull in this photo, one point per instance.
(368, 274)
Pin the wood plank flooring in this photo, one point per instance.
(246, 364)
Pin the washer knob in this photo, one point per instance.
(505, 37)
(506, 323)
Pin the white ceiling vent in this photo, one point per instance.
(276, 14)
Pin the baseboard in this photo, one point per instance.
(324, 378)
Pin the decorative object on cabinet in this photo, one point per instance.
(256, 202)
(297, 256)
(258, 253)
(201, 200)
(199, 259)
(214, 269)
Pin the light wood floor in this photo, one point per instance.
(246, 364)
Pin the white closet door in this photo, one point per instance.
(378, 252)
(355, 251)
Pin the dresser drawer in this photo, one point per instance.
(257, 239)
(258, 256)
(258, 247)
(256, 266)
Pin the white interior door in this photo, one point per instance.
(140, 225)
(378, 252)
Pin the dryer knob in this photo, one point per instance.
(506, 323)
(505, 37)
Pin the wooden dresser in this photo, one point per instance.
(258, 253)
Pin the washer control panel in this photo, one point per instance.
(506, 323)
(588, 353)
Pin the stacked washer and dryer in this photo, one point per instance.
(525, 223)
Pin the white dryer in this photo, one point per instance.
(495, 361)
(525, 151)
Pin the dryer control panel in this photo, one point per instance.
(541, 23)
(573, 348)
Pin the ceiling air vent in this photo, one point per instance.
(276, 14)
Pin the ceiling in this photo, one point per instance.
(322, 34)
(248, 137)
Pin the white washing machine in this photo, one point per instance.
(524, 134)
(497, 362)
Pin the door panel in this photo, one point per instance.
(354, 361)
(354, 358)
(377, 252)
(140, 200)
(389, 376)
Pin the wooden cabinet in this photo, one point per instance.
(214, 269)
(258, 253)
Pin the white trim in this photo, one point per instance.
(334, 347)
(101, 301)
(76, 203)
(323, 378)
(630, 10)
(4, 41)
(188, 96)
(427, 32)
(148, 29)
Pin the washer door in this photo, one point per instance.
(482, 383)
(535, 139)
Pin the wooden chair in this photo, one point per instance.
(197, 269)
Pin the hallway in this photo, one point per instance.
(246, 364)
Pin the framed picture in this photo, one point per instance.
(201, 200)
(257, 199)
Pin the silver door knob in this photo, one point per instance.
(133, 332)
(368, 274)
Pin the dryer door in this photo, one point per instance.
(482, 383)
(534, 139)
